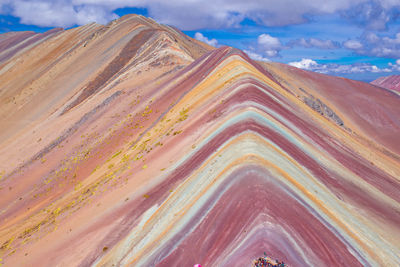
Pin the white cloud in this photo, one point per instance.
(395, 66)
(57, 13)
(305, 63)
(371, 37)
(314, 42)
(270, 46)
(197, 14)
(309, 64)
(373, 14)
(325, 44)
(372, 45)
(256, 56)
(395, 40)
(266, 47)
(353, 44)
(268, 41)
(199, 36)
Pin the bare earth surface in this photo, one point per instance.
(132, 144)
(389, 82)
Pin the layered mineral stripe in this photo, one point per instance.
(390, 82)
(332, 180)
(213, 164)
(41, 165)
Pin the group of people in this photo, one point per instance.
(267, 261)
(263, 262)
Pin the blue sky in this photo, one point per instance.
(357, 39)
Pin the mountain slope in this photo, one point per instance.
(390, 82)
(90, 56)
(360, 108)
(152, 149)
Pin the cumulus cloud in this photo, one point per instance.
(57, 13)
(269, 45)
(373, 15)
(265, 48)
(352, 44)
(305, 63)
(256, 56)
(371, 44)
(199, 36)
(314, 43)
(229, 13)
(216, 14)
(309, 64)
(395, 66)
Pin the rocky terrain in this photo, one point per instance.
(132, 144)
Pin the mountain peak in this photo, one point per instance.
(132, 144)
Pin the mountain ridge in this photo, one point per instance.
(178, 153)
(389, 82)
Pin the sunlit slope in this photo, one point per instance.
(212, 162)
(389, 82)
(363, 109)
(53, 72)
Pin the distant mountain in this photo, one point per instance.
(389, 82)
(132, 144)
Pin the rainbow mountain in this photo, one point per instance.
(132, 144)
(390, 82)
